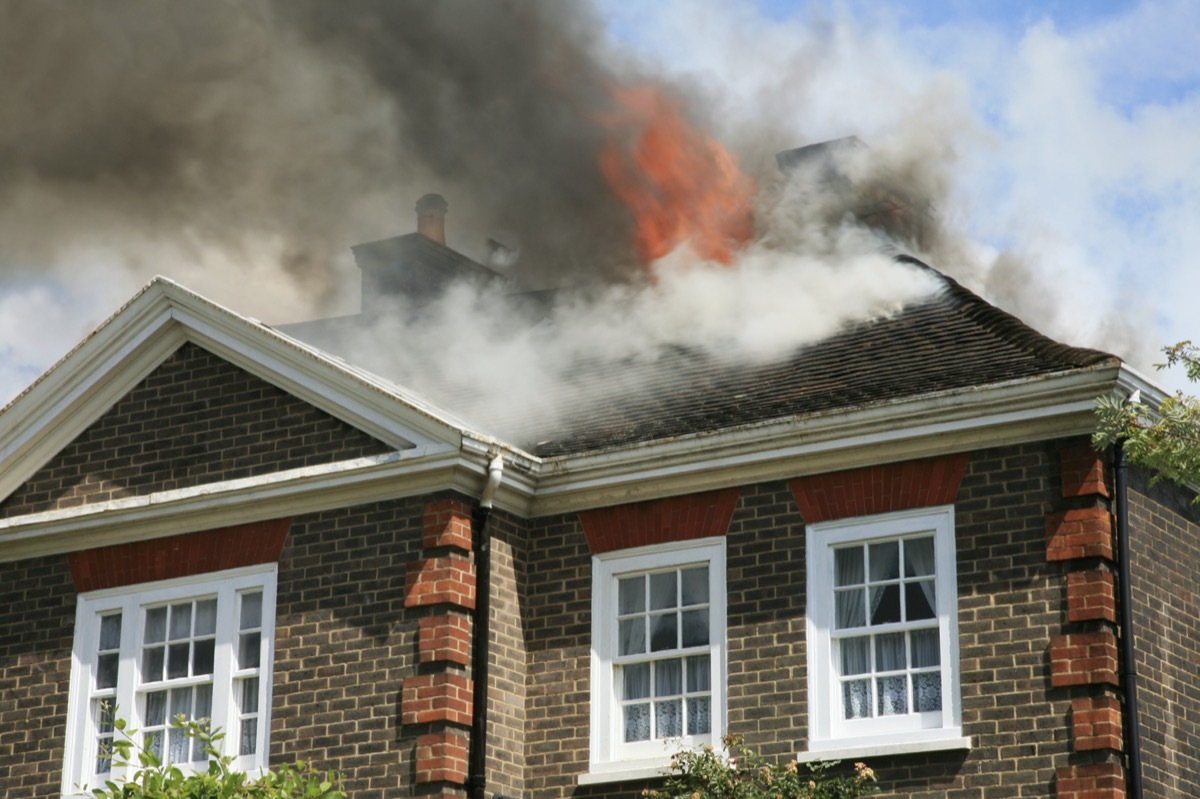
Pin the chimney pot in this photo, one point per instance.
(431, 217)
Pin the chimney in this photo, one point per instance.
(875, 200)
(431, 217)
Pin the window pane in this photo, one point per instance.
(699, 676)
(631, 593)
(104, 756)
(110, 632)
(928, 688)
(637, 681)
(848, 566)
(893, 695)
(918, 557)
(152, 664)
(178, 749)
(177, 660)
(106, 670)
(664, 632)
(181, 702)
(249, 736)
(919, 600)
(885, 604)
(248, 648)
(889, 652)
(695, 627)
(926, 648)
(668, 719)
(156, 625)
(668, 678)
(206, 617)
(154, 743)
(203, 709)
(856, 699)
(156, 708)
(856, 658)
(885, 561)
(631, 634)
(103, 710)
(694, 587)
(202, 656)
(699, 715)
(251, 611)
(662, 591)
(851, 610)
(637, 723)
(249, 696)
(181, 621)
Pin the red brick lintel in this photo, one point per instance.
(879, 489)
(659, 521)
(178, 555)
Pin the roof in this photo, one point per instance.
(953, 340)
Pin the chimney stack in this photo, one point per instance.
(431, 217)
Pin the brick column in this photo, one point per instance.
(1085, 657)
(438, 700)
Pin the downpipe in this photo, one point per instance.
(1133, 738)
(481, 632)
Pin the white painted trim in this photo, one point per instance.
(131, 599)
(607, 754)
(626, 772)
(826, 730)
(869, 751)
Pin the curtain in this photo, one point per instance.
(919, 561)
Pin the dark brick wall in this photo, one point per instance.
(343, 644)
(507, 659)
(1165, 582)
(1011, 601)
(195, 419)
(37, 616)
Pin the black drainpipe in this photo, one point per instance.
(481, 633)
(1133, 739)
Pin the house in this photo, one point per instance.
(896, 545)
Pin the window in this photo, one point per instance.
(883, 633)
(198, 647)
(658, 649)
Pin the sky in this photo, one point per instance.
(1065, 136)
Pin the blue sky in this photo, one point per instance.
(1067, 135)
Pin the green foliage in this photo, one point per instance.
(1165, 439)
(150, 779)
(709, 774)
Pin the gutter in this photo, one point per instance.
(481, 630)
(1133, 740)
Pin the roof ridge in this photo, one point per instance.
(1011, 327)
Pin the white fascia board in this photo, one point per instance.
(290, 493)
(1052, 406)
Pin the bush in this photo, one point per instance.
(150, 779)
(709, 774)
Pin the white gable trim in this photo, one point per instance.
(153, 325)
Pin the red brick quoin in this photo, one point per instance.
(1082, 471)
(448, 580)
(1083, 659)
(879, 489)
(1096, 723)
(446, 524)
(659, 521)
(442, 757)
(1091, 596)
(430, 698)
(1092, 781)
(444, 639)
(1079, 533)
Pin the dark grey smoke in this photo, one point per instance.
(313, 123)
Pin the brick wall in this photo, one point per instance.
(1012, 600)
(195, 419)
(37, 614)
(1165, 581)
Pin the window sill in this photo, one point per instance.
(625, 772)
(867, 751)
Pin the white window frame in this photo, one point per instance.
(830, 735)
(611, 759)
(81, 732)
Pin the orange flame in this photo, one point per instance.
(681, 185)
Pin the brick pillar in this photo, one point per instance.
(438, 700)
(1085, 658)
